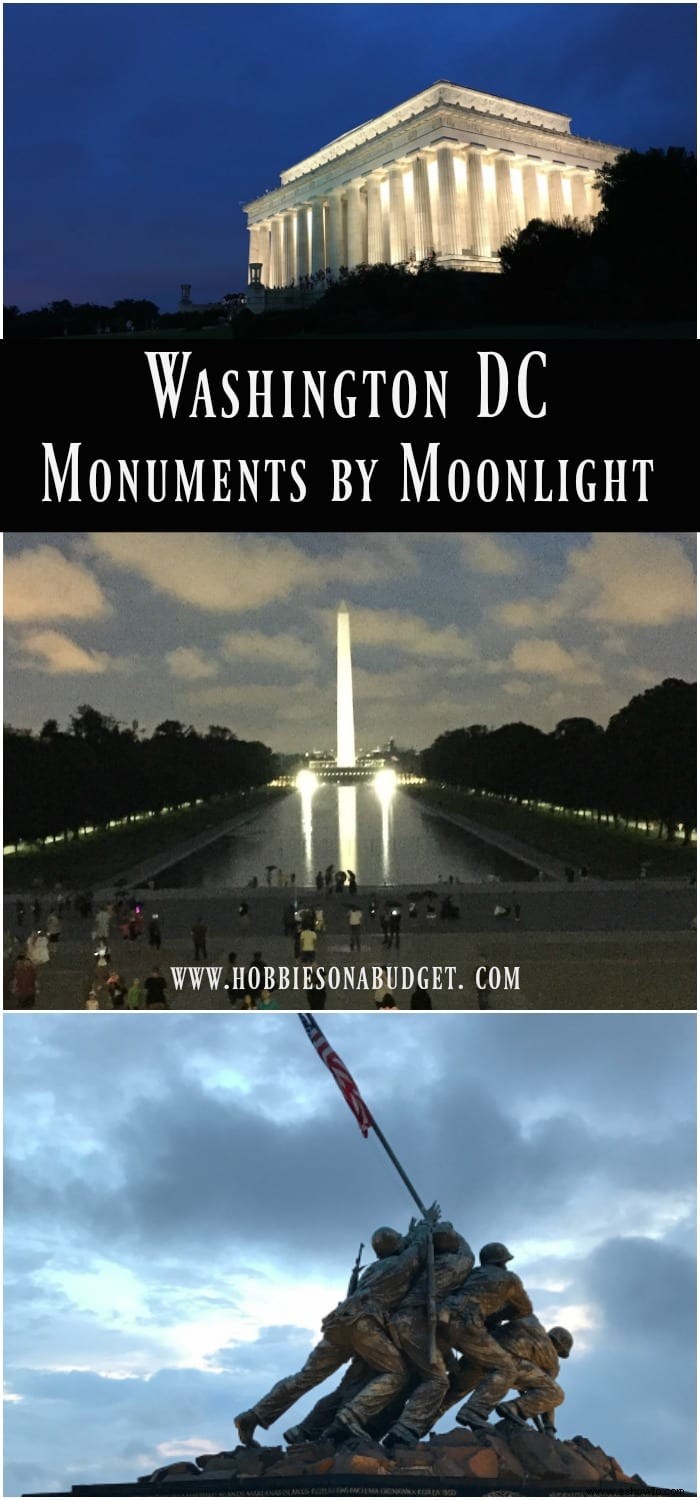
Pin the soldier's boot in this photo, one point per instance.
(510, 1411)
(245, 1424)
(401, 1436)
(346, 1426)
(296, 1434)
(470, 1416)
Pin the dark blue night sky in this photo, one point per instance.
(135, 132)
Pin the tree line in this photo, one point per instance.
(98, 770)
(641, 768)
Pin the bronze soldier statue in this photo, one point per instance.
(489, 1291)
(355, 1327)
(454, 1260)
(537, 1355)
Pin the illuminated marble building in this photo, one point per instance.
(450, 172)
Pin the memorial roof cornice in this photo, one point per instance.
(323, 172)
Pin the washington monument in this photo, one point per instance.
(345, 755)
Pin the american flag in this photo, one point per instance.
(336, 1066)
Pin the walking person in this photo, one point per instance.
(394, 927)
(199, 939)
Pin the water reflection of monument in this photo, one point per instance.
(347, 769)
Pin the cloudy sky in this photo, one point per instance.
(446, 630)
(180, 1215)
(134, 133)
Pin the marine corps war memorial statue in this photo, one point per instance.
(426, 1330)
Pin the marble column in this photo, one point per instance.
(259, 253)
(302, 243)
(531, 194)
(557, 207)
(480, 239)
(448, 240)
(424, 238)
(357, 227)
(277, 253)
(254, 242)
(336, 246)
(318, 239)
(398, 239)
(505, 203)
(578, 196)
(375, 242)
(288, 248)
(594, 199)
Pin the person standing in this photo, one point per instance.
(53, 926)
(394, 927)
(23, 982)
(307, 945)
(134, 995)
(229, 979)
(199, 939)
(155, 936)
(420, 998)
(355, 924)
(156, 987)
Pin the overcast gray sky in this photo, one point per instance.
(184, 1198)
(446, 630)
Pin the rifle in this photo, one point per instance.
(355, 1273)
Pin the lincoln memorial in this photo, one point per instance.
(451, 173)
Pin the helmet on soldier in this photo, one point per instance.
(386, 1241)
(494, 1254)
(562, 1340)
(445, 1238)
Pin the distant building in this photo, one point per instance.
(221, 308)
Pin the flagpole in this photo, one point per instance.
(430, 1248)
(393, 1158)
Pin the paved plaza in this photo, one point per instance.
(593, 945)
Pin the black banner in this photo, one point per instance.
(422, 435)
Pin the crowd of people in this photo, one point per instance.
(122, 926)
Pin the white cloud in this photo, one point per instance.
(546, 658)
(42, 584)
(613, 579)
(482, 553)
(286, 650)
(214, 573)
(50, 651)
(405, 632)
(189, 663)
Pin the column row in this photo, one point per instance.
(454, 204)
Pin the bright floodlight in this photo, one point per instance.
(385, 781)
(306, 781)
(346, 717)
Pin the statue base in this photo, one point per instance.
(506, 1459)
